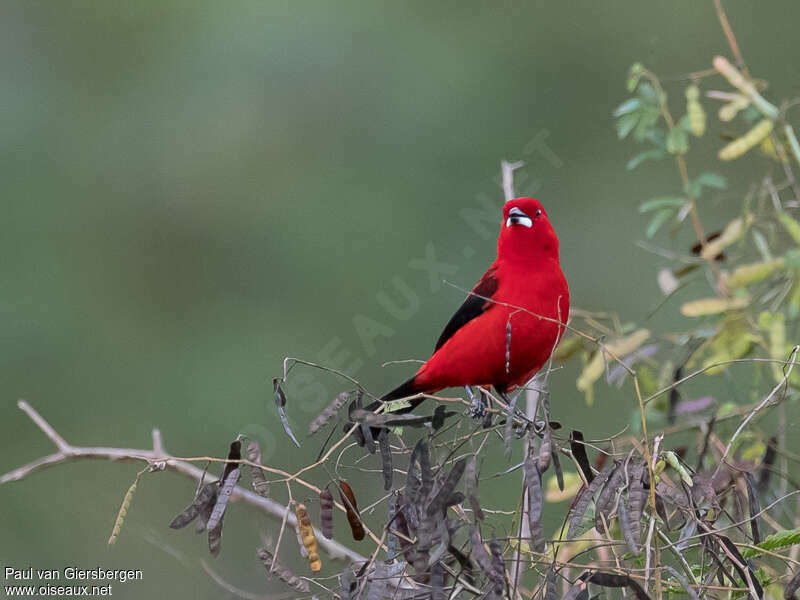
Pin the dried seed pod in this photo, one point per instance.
(579, 452)
(386, 459)
(753, 505)
(545, 450)
(605, 500)
(579, 591)
(351, 507)
(498, 571)
(280, 403)
(437, 504)
(326, 512)
(550, 583)
(695, 112)
(533, 482)
(752, 138)
(471, 486)
(583, 499)
(792, 587)
(557, 467)
(123, 510)
(426, 476)
(257, 477)
(437, 582)
(328, 413)
(766, 464)
(207, 495)
(612, 580)
(284, 574)
(308, 537)
(479, 552)
(225, 491)
(629, 529)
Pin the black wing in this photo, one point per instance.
(474, 306)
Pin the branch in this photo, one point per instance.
(157, 456)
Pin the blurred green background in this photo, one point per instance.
(194, 190)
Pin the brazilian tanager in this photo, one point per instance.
(511, 321)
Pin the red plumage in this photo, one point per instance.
(510, 323)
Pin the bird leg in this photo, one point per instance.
(478, 408)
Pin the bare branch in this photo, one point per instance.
(68, 453)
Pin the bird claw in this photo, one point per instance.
(478, 408)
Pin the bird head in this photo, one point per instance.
(526, 232)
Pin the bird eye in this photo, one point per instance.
(538, 212)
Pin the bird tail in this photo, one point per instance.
(405, 389)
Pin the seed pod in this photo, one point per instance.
(605, 500)
(579, 452)
(257, 477)
(676, 464)
(498, 571)
(744, 143)
(695, 112)
(747, 274)
(533, 482)
(545, 450)
(790, 224)
(728, 111)
(330, 412)
(471, 487)
(308, 537)
(326, 512)
(753, 505)
(583, 499)
(280, 403)
(351, 507)
(386, 459)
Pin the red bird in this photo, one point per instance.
(497, 337)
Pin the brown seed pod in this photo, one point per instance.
(329, 413)
(386, 459)
(471, 487)
(326, 512)
(533, 481)
(579, 452)
(351, 507)
(545, 450)
(308, 537)
(257, 477)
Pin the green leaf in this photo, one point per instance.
(776, 541)
(394, 405)
(627, 107)
(634, 75)
(661, 202)
(751, 113)
(677, 141)
(762, 245)
(661, 217)
(648, 117)
(626, 123)
(652, 154)
(648, 92)
(792, 258)
(711, 180)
